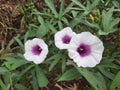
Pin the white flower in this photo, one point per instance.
(86, 50)
(63, 38)
(36, 50)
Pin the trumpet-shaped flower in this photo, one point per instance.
(36, 50)
(63, 38)
(86, 50)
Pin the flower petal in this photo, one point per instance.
(29, 54)
(88, 38)
(66, 32)
(72, 54)
(79, 47)
(86, 62)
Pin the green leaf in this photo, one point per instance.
(116, 3)
(79, 4)
(67, 9)
(107, 73)
(53, 64)
(116, 82)
(41, 78)
(26, 36)
(20, 55)
(13, 63)
(41, 20)
(92, 78)
(60, 25)
(52, 7)
(93, 25)
(42, 29)
(63, 65)
(51, 27)
(20, 87)
(53, 60)
(34, 82)
(91, 6)
(70, 74)
(76, 20)
(108, 64)
(65, 21)
(56, 56)
(19, 42)
(24, 71)
(32, 33)
(6, 78)
(74, 13)
(2, 85)
(108, 22)
(3, 70)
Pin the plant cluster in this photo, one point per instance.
(46, 32)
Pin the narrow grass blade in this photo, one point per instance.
(61, 9)
(52, 7)
(79, 4)
(2, 85)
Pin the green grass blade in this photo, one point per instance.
(93, 5)
(60, 25)
(19, 42)
(52, 7)
(51, 27)
(76, 20)
(61, 9)
(26, 36)
(79, 4)
(67, 9)
(65, 21)
(53, 64)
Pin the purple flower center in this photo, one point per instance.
(66, 39)
(36, 50)
(84, 50)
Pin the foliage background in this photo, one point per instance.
(22, 20)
